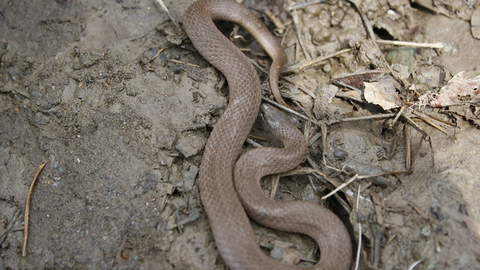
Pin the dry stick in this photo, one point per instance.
(163, 204)
(319, 175)
(184, 63)
(324, 130)
(280, 106)
(435, 118)
(437, 45)
(320, 59)
(303, 5)
(307, 126)
(164, 7)
(313, 139)
(389, 240)
(178, 222)
(365, 21)
(347, 86)
(414, 264)
(400, 113)
(279, 25)
(299, 87)
(27, 209)
(377, 205)
(296, 23)
(275, 182)
(253, 142)
(159, 52)
(10, 225)
(356, 176)
(341, 186)
(359, 248)
(408, 148)
(426, 120)
(368, 117)
(315, 171)
(417, 127)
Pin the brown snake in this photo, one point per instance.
(231, 227)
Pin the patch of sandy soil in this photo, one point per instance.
(117, 102)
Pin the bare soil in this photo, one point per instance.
(117, 102)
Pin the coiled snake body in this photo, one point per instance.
(231, 227)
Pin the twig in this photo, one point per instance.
(437, 45)
(159, 52)
(317, 60)
(365, 21)
(296, 23)
(177, 222)
(417, 127)
(10, 225)
(359, 248)
(357, 206)
(303, 5)
(184, 63)
(27, 209)
(414, 264)
(377, 205)
(313, 139)
(436, 119)
(163, 204)
(368, 117)
(279, 25)
(400, 113)
(164, 7)
(252, 142)
(275, 182)
(355, 177)
(280, 106)
(299, 87)
(426, 120)
(408, 148)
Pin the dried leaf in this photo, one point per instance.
(383, 94)
(356, 79)
(461, 89)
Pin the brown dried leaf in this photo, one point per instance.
(382, 93)
(356, 79)
(461, 89)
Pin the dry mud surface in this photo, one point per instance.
(117, 102)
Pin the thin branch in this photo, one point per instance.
(437, 45)
(27, 209)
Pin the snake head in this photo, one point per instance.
(280, 125)
(278, 122)
(272, 117)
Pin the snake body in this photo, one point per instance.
(231, 227)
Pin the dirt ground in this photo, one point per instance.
(117, 102)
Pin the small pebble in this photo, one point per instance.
(276, 253)
(340, 154)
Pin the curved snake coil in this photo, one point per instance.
(231, 227)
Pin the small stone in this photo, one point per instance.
(340, 154)
(276, 253)
(191, 144)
